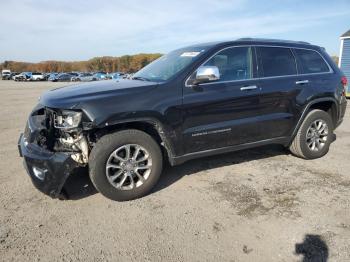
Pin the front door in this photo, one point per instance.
(224, 112)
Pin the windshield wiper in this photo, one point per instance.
(140, 78)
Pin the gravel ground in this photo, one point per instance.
(255, 205)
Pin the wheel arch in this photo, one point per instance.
(328, 105)
(152, 127)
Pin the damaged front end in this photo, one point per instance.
(53, 145)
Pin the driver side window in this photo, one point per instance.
(234, 63)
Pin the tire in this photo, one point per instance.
(102, 153)
(302, 146)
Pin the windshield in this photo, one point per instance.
(168, 65)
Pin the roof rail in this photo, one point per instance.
(271, 40)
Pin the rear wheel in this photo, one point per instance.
(314, 136)
(125, 165)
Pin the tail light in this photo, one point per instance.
(344, 82)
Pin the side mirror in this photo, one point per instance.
(207, 74)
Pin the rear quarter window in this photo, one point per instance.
(310, 61)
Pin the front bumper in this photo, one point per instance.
(48, 170)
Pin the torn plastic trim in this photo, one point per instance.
(58, 166)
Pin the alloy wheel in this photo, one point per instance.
(317, 135)
(128, 167)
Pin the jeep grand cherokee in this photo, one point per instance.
(195, 101)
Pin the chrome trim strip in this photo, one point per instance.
(260, 78)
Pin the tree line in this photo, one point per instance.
(126, 63)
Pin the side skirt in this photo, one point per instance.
(177, 160)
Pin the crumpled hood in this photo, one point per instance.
(72, 96)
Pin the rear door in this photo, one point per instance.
(280, 87)
(223, 113)
(315, 71)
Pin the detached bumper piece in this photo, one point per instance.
(48, 170)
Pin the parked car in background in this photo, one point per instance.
(128, 76)
(47, 75)
(13, 74)
(52, 77)
(24, 76)
(6, 77)
(82, 77)
(6, 74)
(116, 75)
(36, 76)
(64, 77)
(99, 76)
(17, 76)
(74, 74)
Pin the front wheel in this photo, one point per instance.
(125, 165)
(314, 135)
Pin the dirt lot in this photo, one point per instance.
(254, 205)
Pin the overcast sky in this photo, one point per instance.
(38, 30)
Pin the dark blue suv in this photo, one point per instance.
(195, 101)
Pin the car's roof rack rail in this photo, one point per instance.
(271, 40)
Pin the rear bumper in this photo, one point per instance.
(342, 109)
(47, 170)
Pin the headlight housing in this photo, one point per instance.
(67, 119)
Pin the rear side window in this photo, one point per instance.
(310, 62)
(277, 61)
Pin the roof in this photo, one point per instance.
(251, 41)
(346, 34)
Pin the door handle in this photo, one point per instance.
(248, 88)
(301, 82)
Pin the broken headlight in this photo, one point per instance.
(67, 119)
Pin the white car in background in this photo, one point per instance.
(37, 77)
(6, 74)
